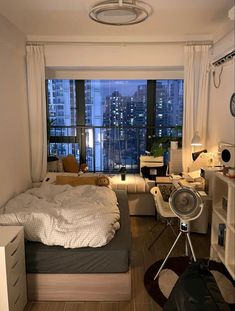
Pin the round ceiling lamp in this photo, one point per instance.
(120, 12)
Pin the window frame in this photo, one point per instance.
(80, 137)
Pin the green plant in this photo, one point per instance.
(159, 146)
(162, 144)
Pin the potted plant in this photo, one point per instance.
(158, 147)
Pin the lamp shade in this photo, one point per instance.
(196, 140)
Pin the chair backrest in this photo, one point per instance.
(162, 207)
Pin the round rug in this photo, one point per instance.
(160, 288)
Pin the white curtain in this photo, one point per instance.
(196, 88)
(37, 111)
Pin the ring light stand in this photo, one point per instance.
(186, 204)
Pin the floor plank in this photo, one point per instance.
(74, 306)
(141, 259)
(47, 306)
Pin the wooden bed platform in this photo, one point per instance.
(79, 287)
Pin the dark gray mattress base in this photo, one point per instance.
(111, 258)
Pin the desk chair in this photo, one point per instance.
(163, 210)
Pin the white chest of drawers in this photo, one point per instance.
(13, 295)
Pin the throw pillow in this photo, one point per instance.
(70, 164)
(103, 180)
(75, 181)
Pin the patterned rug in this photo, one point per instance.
(160, 289)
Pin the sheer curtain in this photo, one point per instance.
(37, 111)
(196, 88)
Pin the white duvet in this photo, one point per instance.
(64, 215)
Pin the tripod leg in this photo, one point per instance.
(186, 248)
(191, 246)
(160, 269)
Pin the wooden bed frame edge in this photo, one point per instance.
(79, 287)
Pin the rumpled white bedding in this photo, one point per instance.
(63, 215)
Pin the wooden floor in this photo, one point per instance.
(141, 259)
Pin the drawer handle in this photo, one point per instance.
(13, 266)
(17, 280)
(15, 237)
(17, 299)
(13, 253)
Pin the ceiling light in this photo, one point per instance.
(120, 12)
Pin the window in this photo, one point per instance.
(116, 110)
(169, 108)
(107, 122)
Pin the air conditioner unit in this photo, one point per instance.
(225, 58)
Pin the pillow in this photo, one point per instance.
(70, 164)
(103, 180)
(75, 180)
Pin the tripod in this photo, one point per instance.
(184, 228)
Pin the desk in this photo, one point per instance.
(163, 180)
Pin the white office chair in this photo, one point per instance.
(163, 210)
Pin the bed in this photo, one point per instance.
(83, 274)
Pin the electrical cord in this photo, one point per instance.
(219, 78)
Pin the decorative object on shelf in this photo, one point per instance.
(123, 173)
(231, 172)
(221, 234)
(232, 104)
(196, 140)
(120, 12)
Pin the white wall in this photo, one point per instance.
(115, 60)
(14, 136)
(221, 124)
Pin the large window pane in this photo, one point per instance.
(106, 123)
(121, 107)
(169, 108)
(61, 107)
(63, 149)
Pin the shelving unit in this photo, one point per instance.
(13, 294)
(223, 214)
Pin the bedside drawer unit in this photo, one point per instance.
(13, 296)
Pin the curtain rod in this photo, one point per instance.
(120, 43)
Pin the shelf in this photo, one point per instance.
(221, 213)
(220, 250)
(224, 196)
(231, 227)
(228, 180)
